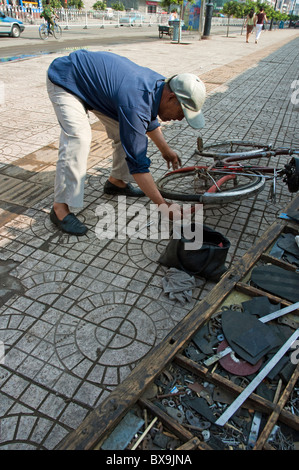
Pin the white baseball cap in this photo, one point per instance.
(191, 93)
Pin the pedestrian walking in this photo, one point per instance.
(129, 100)
(250, 23)
(261, 17)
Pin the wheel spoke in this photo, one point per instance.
(57, 31)
(43, 32)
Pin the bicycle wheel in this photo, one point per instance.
(57, 31)
(216, 187)
(43, 31)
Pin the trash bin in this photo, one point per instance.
(281, 25)
(176, 27)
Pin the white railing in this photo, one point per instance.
(88, 18)
(85, 18)
(224, 21)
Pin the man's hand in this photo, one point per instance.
(172, 159)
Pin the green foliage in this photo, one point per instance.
(53, 3)
(233, 8)
(166, 4)
(169, 5)
(78, 4)
(269, 10)
(240, 10)
(278, 16)
(99, 5)
(271, 13)
(247, 6)
(118, 6)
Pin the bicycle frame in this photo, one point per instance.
(262, 151)
(228, 166)
(266, 151)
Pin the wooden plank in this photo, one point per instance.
(278, 262)
(276, 412)
(268, 446)
(194, 443)
(254, 292)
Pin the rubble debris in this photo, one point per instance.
(196, 404)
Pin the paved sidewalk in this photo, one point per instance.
(77, 314)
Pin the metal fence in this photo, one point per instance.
(85, 17)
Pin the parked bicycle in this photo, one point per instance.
(229, 179)
(45, 31)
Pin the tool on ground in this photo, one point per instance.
(228, 413)
(254, 431)
(272, 316)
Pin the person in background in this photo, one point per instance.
(48, 14)
(250, 23)
(260, 18)
(173, 15)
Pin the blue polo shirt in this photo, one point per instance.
(118, 88)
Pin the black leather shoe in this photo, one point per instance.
(70, 224)
(128, 190)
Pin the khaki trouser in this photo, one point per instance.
(74, 146)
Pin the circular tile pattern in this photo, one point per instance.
(145, 253)
(116, 340)
(112, 334)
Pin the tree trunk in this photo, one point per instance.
(243, 26)
(227, 26)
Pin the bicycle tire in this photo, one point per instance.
(43, 32)
(57, 31)
(251, 184)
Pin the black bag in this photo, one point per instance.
(207, 261)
